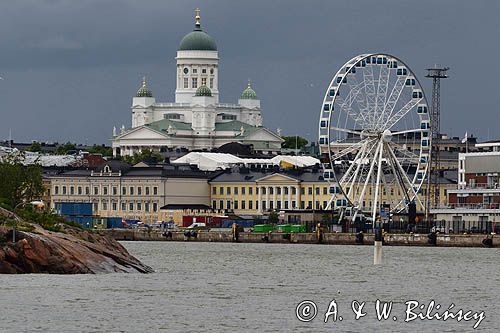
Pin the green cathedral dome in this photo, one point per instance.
(249, 93)
(197, 39)
(203, 90)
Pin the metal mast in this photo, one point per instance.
(432, 198)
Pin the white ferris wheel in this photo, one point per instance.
(374, 134)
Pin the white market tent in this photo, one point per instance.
(220, 161)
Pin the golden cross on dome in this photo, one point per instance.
(197, 16)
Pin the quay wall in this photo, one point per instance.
(444, 240)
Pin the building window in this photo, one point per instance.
(146, 206)
(155, 206)
(115, 206)
(211, 82)
(250, 190)
(56, 189)
(229, 117)
(263, 190)
(96, 190)
(155, 190)
(175, 116)
(256, 204)
(64, 190)
(131, 190)
(124, 190)
(294, 204)
(139, 206)
(221, 190)
(124, 206)
(131, 206)
(325, 203)
(71, 190)
(104, 205)
(228, 204)
(302, 190)
(271, 190)
(194, 82)
(243, 190)
(243, 204)
(195, 71)
(310, 190)
(228, 190)
(317, 205)
(79, 190)
(325, 190)
(204, 71)
(105, 190)
(235, 203)
(139, 190)
(317, 190)
(263, 205)
(214, 190)
(271, 205)
(286, 190)
(115, 190)
(95, 206)
(294, 190)
(87, 190)
(250, 204)
(203, 81)
(147, 190)
(302, 205)
(214, 204)
(186, 83)
(278, 204)
(278, 190)
(235, 190)
(286, 204)
(221, 204)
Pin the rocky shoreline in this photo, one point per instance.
(71, 251)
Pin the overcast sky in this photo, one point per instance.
(70, 68)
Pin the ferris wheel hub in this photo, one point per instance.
(387, 135)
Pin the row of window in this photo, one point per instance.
(131, 206)
(250, 204)
(237, 190)
(85, 190)
(195, 70)
(194, 82)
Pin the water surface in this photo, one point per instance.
(224, 287)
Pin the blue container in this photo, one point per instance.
(85, 221)
(74, 208)
(114, 222)
(242, 223)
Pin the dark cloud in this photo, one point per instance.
(71, 67)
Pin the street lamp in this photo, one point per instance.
(36, 203)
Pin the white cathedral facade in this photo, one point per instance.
(196, 120)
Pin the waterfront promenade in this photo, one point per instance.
(441, 240)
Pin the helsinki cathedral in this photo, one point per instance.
(197, 120)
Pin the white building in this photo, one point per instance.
(196, 120)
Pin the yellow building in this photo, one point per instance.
(259, 191)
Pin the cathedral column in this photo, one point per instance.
(267, 197)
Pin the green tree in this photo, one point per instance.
(294, 142)
(35, 147)
(101, 149)
(273, 217)
(65, 148)
(19, 183)
(146, 155)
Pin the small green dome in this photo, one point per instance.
(203, 90)
(197, 39)
(249, 93)
(144, 90)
